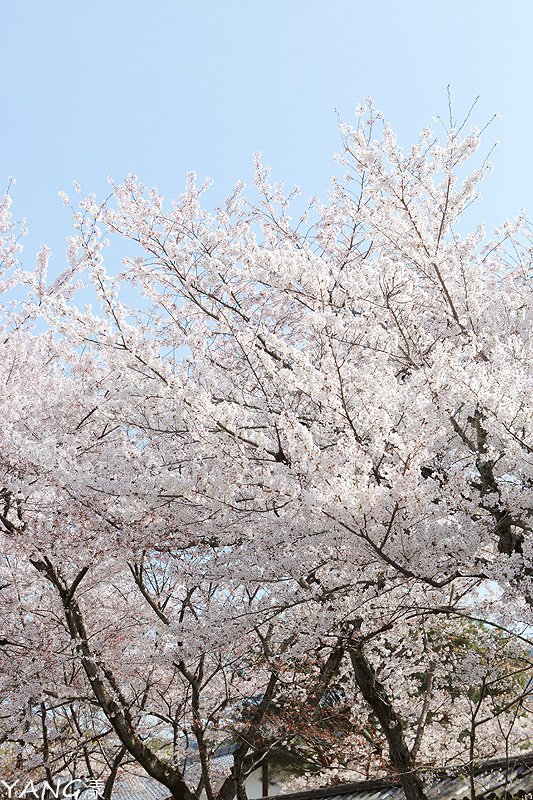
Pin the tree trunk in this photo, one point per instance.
(375, 695)
(105, 688)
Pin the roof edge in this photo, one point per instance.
(389, 783)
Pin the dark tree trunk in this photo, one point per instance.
(375, 695)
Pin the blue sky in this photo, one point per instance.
(158, 88)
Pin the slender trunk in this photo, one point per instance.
(195, 681)
(46, 748)
(240, 779)
(326, 675)
(375, 695)
(264, 779)
(233, 786)
(110, 782)
(424, 713)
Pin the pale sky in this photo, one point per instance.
(162, 87)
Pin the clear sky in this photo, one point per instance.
(159, 87)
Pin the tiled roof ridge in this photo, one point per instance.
(490, 765)
(334, 790)
(339, 789)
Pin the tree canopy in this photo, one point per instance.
(269, 481)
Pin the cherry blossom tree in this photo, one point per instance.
(277, 461)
